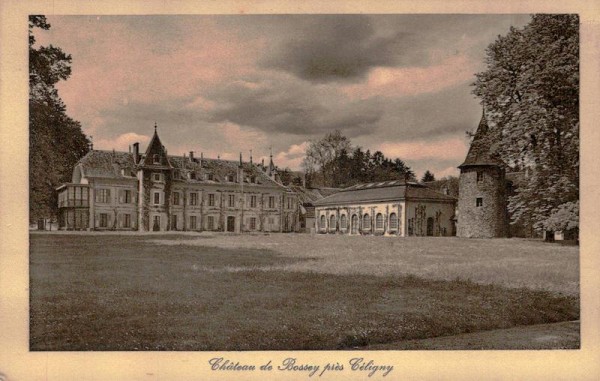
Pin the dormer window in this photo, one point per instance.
(253, 180)
(209, 176)
(230, 178)
(156, 159)
(193, 175)
(157, 177)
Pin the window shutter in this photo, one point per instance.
(108, 199)
(121, 196)
(96, 220)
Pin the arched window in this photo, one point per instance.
(366, 222)
(343, 222)
(332, 222)
(379, 221)
(155, 159)
(393, 221)
(322, 222)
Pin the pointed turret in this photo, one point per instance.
(480, 150)
(156, 154)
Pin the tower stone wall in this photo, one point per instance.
(485, 218)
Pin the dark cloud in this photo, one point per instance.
(292, 108)
(340, 47)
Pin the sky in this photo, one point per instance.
(227, 84)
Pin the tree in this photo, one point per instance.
(56, 141)
(427, 176)
(530, 92)
(321, 155)
(332, 162)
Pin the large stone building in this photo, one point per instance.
(391, 208)
(157, 192)
(482, 198)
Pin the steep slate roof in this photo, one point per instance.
(479, 152)
(384, 191)
(310, 195)
(108, 164)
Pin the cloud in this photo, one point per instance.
(284, 105)
(293, 157)
(337, 47)
(453, 149)
(121, 142)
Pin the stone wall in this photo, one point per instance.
(490, 219)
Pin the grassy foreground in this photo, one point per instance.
(129, 292)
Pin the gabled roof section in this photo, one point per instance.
(155, 147)
(479, 152)
(107, 164)
(384, 191)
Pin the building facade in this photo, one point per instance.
(482, 199)
(158, 192)
(388, 208)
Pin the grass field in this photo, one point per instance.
(277, 292)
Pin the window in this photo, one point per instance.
(193, 175)
(322, 222)
(479, 201)
(253, 201)
(103, 195)
(252, 223)
(156, 176)
(343, 222)
(176, 198)
(393, 221)
(193, 222)
(253, 180)
(209, 176)
(127, 220)
(211, 222)
(174, 222)
(194, 198)
(479, 176)
(271, 221)
(156, 159)
(271, 201)
(289, 203)
(230, 178)
(156, 198)
(332, 222)
(103, 220)
(211, 199)
(411, 224)
(127, 197)
(231, 200)
(379, 221)
(366, 221)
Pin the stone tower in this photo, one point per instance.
(482, 191)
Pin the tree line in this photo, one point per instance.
(333, 162)
(56, 141)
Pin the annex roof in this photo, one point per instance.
(384, 191)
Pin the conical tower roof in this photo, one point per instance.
(480, 151)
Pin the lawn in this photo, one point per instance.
(287, 292)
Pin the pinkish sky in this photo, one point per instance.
(225, 84)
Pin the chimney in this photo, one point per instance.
(240, 159)
(136, 152)
(201, 159)
(191, 155)
(129, 148)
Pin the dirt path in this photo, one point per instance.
(563, 335)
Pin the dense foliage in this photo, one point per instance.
(333, 162)
(530, 90)
(56, 141)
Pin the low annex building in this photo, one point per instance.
(158, 192)
(392, 208)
